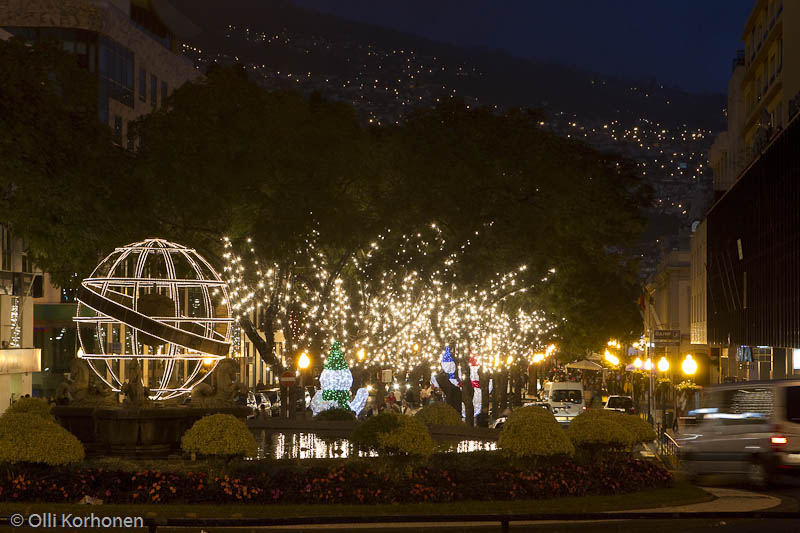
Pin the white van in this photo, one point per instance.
(750, 428)
(566, 400)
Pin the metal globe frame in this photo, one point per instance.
(195, 335)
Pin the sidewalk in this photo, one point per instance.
(727, 501)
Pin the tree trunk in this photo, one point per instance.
(415, 377)
(468, 394)
(516, 379)
(264, 345)
(533, 379)
(503, 384)
(452, 394)
(495, 394)
(484, 381)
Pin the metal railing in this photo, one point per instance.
(667, 446)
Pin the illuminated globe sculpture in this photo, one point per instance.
(157, 310)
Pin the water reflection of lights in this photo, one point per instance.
(288, 445)
(475, 446)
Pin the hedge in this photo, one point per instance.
(533, 432)
(37, 406)
(219, 435)
(439, 414)
(350, 482)
(393, 434)
(599, 431)
(29, 438)
(638, 427)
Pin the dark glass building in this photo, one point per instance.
(753, 261)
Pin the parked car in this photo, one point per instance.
(274, 398)
(623, 404)
(500, 422)
(750, 428)
(566, 400)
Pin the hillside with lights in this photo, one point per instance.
(386, 74)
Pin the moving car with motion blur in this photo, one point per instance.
(750, 428)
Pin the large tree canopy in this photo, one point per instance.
(62, 183)
(223, 157)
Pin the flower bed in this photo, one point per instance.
(343, 482)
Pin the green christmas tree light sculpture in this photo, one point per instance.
(336, 378)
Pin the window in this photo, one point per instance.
(772, 68)
(130, 140)
(5, 248)
(153, 90)
(163, 92)
(118, 129)
(620, 402)
(566, 395)
(793, 404)
(142, 84)
(115, 65)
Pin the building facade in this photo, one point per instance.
(129, 44)
(19, 283)
(750, 230)
(133, 48)
(771, 82)
(753, 265)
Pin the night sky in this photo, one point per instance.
(682, 43)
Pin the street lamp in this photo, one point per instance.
(302, 363)
(689, 365)
(663, 364)
(637, 364)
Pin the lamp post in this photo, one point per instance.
(648, 366)
(302, 364)
(663, 367)
(689, 367)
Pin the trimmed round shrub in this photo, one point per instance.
(638, 427)
(365, 436)
(30, 438)
(410, 437)
(533, 432)
(393, 434)
(336, 414)
(439, 414)
(34, 406)
(219, 435)
(598, 430)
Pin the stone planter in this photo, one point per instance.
(151, 431)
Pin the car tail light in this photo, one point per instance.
(583, 408)
(778, 440)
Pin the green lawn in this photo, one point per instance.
(680, 494)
